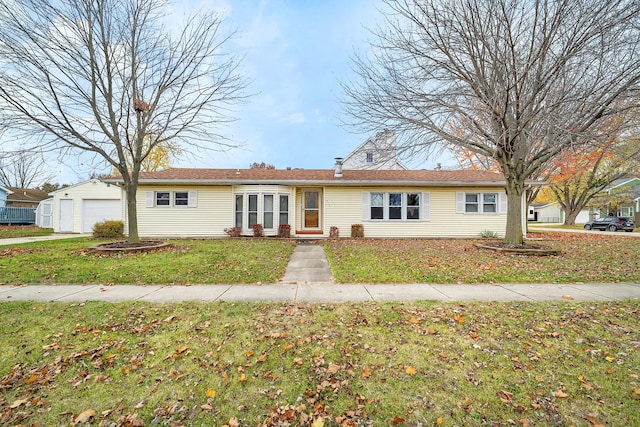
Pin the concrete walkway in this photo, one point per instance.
(56, 236)
(308, 264)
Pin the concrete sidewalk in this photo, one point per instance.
(324, 292)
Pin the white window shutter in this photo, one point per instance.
(366, 205)
(460, 202)
(503, 203)
(425, 207)
(193, 199)
(149, 198)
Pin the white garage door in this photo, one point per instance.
(97, 211)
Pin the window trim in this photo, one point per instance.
(424, 206)
(152, 199)
(500, 203)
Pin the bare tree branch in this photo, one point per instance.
(517, 81)
(101, 76)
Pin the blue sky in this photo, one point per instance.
(296, 53)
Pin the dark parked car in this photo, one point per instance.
(611, 223)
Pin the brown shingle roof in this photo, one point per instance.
(320, 176)
(32, 195)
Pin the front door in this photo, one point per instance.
(311, 214)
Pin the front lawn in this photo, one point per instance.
(70, 261)
(11, 231)
(369, 364)
(584, 258)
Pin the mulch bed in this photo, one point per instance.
(524, 249)
(145, 245)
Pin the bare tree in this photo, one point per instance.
(101, 76)
(517, 81)
(24, 169)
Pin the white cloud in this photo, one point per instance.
(295, 118)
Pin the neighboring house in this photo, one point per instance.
(25, 197)
(78, 207)
(18, 205)
(553, 212)
(4, 192)
(629, 187)
(389, 203)
(375, 153)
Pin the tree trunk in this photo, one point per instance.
(570, 216)
(132, 212)
(514, 234)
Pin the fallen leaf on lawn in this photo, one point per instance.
(233, 422)
(287, 348)
(459, 318)
(366, 372)
(524, 422)
(397, 420)
(594, 422)
(560, 394)
(414, 320)
(567, 297)
(181, 349)
(17, 403)
(84, 417)
(411, 370)
(333, 368)
(31, 379)
(610, 358)
(242, 378)
(505, 396)
(211, 393)
(318, 422)
(206, 407)
(262, 358)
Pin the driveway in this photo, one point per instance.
(550, 229)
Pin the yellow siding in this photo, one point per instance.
(343, 207)
(213, 213)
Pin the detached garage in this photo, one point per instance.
(78, 207)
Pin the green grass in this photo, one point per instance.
(584, 258)
(249, 364)
(70, 261)
(11, 231)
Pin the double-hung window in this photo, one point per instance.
(163, 198)
(481, 203)
(396, 206)
(253, 210)
(181, 198)
(284, 209)
(239, 209)
(171, 198)
(413, 206)
(377, 205)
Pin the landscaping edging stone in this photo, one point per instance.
(126, 247)
(520, 251)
